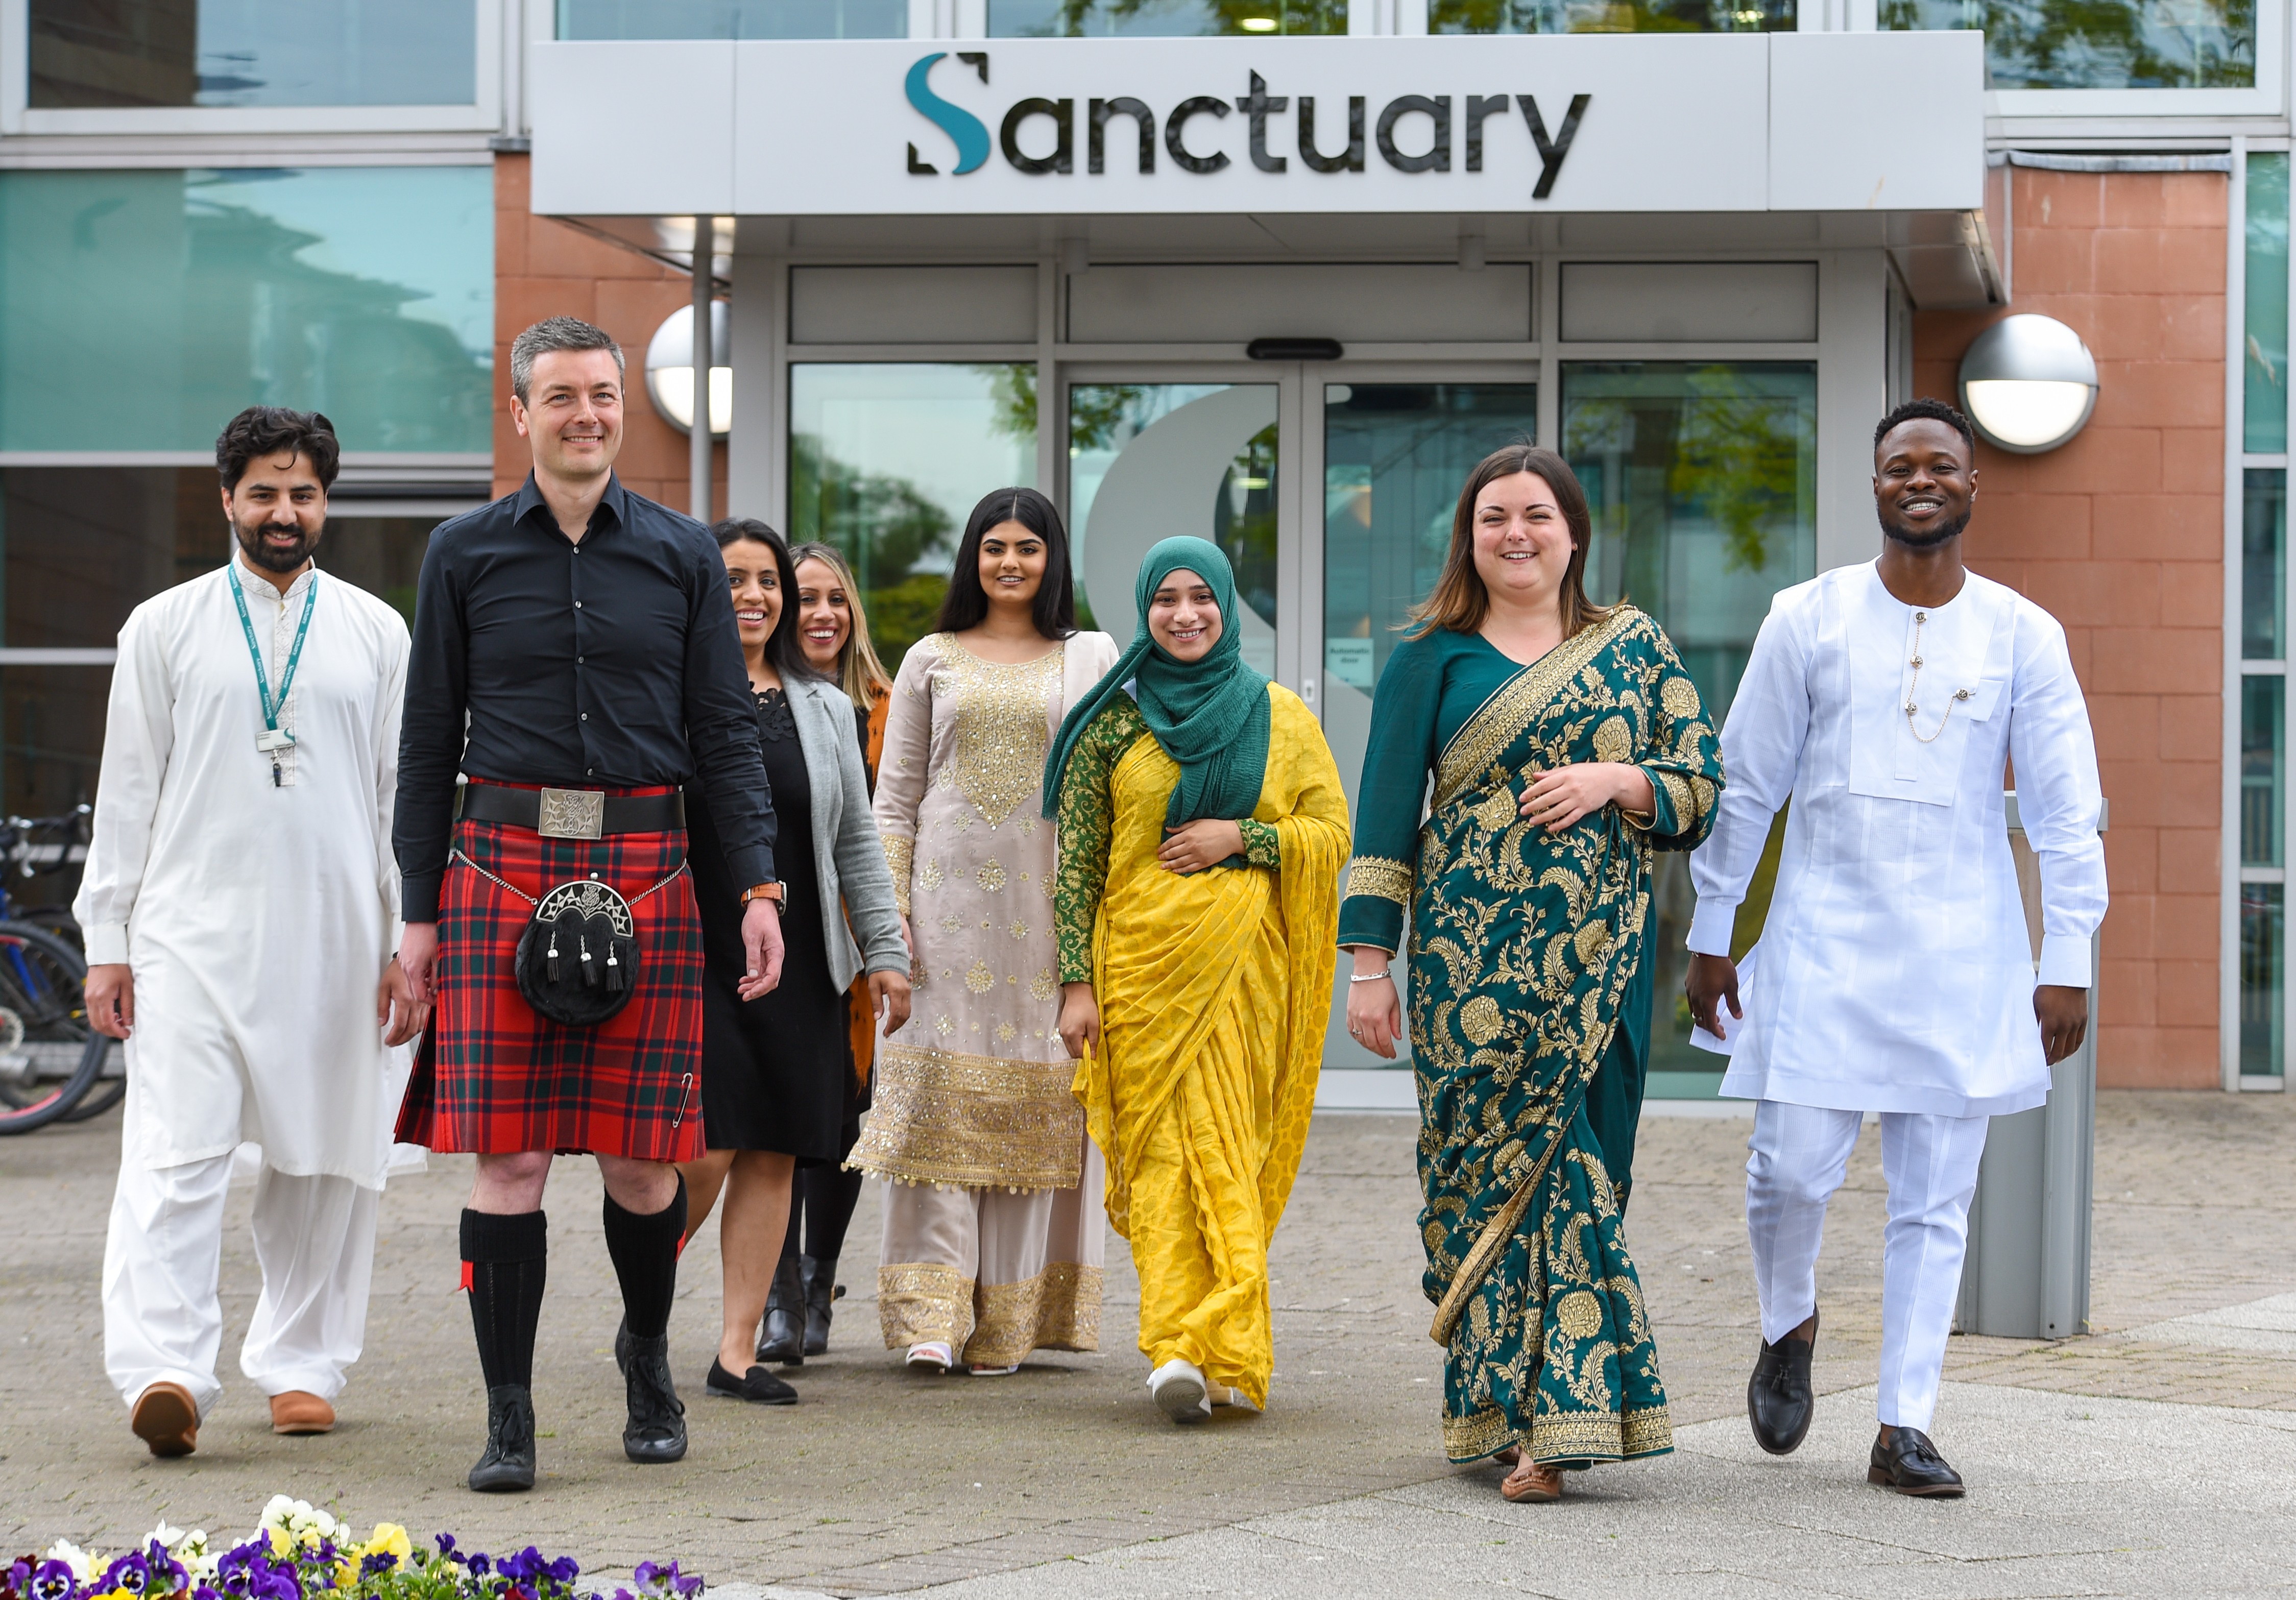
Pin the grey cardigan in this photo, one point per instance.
(850, 861)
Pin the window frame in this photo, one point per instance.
(2264, 98)
(482, 114)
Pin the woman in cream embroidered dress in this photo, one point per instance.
(993, 1232)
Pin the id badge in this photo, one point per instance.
(273, 739)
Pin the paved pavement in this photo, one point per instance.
(881, 1483)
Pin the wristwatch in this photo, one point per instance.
(763, 891)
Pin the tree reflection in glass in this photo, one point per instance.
(2099, 44)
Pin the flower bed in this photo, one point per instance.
(298, 1553)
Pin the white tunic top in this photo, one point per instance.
(1895, 972)
(258, 918)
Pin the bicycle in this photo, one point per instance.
(45, 1036)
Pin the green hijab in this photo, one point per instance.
(1211, 715)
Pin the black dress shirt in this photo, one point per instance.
(612, 663)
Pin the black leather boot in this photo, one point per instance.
(818, 1279)
(508, 1462)
(656, 1429)
(1906, 1460)
(783, 1340)
(1778, 1398)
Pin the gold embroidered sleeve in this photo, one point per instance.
(1262, 847)
(1088, 821)
(1381, 880)
(900, 856)
(1683, 760)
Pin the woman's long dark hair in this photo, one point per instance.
(966, 604)
(784, 649)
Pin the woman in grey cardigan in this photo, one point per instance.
(773, 1069)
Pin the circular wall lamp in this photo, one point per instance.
(2028, 384)
(669, 369)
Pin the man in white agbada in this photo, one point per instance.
(240, 906)
(1894, 974)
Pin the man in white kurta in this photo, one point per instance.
(239, 907)
(1895, 973)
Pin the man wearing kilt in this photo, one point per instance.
(587, 635)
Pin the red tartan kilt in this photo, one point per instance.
(495, 1078)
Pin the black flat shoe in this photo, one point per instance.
(818, 1280)
(1905, 1460)
(757, 1385)
(656, 1429)
(1778, 1401)
(508, 1464)
(783, 1340)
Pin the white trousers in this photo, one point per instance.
(1801, 1154)
(162, 1319)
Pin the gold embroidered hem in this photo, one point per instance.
(1382, 878)
(1059, 1309)
(1473, 1438)
(1647, 1432)
(921, 1300)
(1500, 720)
(975, 1121)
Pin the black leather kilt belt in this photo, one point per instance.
(574, 813)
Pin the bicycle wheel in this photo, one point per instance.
(109, 1088)
(55, 1058)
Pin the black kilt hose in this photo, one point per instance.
(495, 1078)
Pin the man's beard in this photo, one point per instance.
(1926, 538)
(267, 556)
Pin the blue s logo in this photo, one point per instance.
(968, 131)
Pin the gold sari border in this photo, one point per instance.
(1475, 1437)
(1488, 1245)
(1059, 1309)
(1379, 878)
(1514, 703)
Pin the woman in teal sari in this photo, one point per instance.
(1565, 743)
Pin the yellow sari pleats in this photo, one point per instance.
(1214, 990)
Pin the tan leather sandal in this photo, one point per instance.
(1531, 1483)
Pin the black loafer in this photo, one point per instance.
(656, 1429)
(508, 1464)
(1778, 1400)
(1906, 1460)
(758, 1386)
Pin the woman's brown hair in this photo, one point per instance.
(1459, 601)
(859, 673)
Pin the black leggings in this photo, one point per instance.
(822, 1199)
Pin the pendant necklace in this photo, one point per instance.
(1920, 617)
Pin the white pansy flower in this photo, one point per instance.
(72, 1556)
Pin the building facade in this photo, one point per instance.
(1273, 273)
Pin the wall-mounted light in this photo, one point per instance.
(669, 369)
(2028, 384)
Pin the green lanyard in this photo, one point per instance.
(271, 740)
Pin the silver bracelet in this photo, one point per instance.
(1369, 977)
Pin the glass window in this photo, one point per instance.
(243, 52)
(1702, 480)
(139, 310)
(2264, 408)
(1611, 16)
(1394, 457)
(732, 18)
(887, 459)
(1161, 19)
(1152, 461)
(2262, 1005)
(2099, 44)
(2264, 564)
(80, 547)
(2263, 760)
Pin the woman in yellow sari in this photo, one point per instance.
(1201, 832)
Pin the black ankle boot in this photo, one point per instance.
(818, 1279)
(508, 1462)
(785, 1339)
(656, 1430)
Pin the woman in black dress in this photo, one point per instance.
(774, 1070)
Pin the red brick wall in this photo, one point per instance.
(545, 268)
(2120, 535)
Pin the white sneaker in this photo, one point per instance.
(934, 1355)
(1179, 1391)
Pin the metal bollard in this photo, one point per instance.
(2026, 1275)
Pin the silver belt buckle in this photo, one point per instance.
(572, 813)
